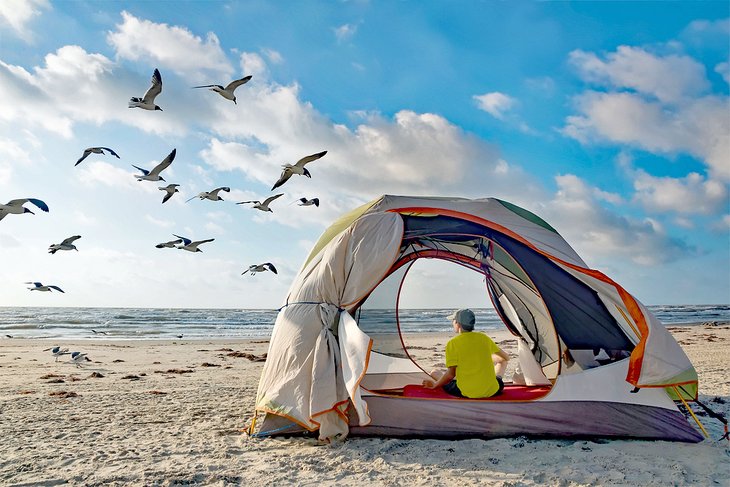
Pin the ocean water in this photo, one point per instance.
(139, 323)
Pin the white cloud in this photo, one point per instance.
(82, 218)
(172, 47)
(690, 195)
(723, 224)
(670, 78)
(699, 127)
(99, 172)
(723, 69)
(345, 32)
(18, 13)
(495, 103)
(253, 64)
(273, 55)
(158, 222)
(598, 233)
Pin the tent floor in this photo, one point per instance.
(510, 393)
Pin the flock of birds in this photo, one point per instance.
(147, 102)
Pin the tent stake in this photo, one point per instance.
(691, 412)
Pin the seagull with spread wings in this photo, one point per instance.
(38, 286)
(154, 174)
(15, 207)
(170, 190)
(95, 150)
(172, 244)
(147, 102)
(67, 244)
(227, 92)
(191, 246)
(306, 202)
(297, 168)
(262, 206)
(266, 266)
(211, 195)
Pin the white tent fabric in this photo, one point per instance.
(355, 348)
(302, 379)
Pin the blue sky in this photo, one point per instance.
(608, 119)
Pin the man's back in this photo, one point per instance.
(471, 354)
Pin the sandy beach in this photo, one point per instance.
(173, 413)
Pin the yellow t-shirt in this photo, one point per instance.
(471, 354)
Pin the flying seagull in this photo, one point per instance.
(171, 189)
(211, 195)
(38, 286)
(57, 351)
(15, 207)
(95, 150)
(227, 92)
(169, 245)
(77, 358)
(297, 168)
(67, 244)
(262, 206)
(191, 246)
(306, 202)
(266, 266)
(154, 174)
(148, 101)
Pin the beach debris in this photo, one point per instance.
(174, 371)
(297, 168)
(263, 206)
(96, 375)
(131, 377)
(55, 381)
(147, 102)
(266, 266)
(249, 356)
(228, 91)
(210, 195)
(50, 376)
(67, 244)
(157, 392)
(64, 394)
(154, 174)
(26, 392)
(117, 360)
(15, 207)
(95, 150)
(208, 364)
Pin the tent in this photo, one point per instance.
(597, 362)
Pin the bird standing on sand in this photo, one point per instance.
(15, 207)
(297, 168)
(211, 195)
(227, 92)
(78, 357)
(154, 174)
(38, 286)
(306, 202)
(57, 352)
(191, 246)
(147, 102)
(171, 189)
(262, 206)
(95, 150)
(169, 245)
(67, 244)
(266, 266)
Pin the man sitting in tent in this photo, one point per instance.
(475, 365)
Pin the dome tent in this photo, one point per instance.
(612, 368)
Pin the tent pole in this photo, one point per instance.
(691, 412)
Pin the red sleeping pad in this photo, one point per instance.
(510, 393)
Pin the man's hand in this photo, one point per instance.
(429, 384)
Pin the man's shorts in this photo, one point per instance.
(452, 389)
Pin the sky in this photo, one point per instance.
(610, 120)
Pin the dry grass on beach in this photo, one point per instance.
(172, 413)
